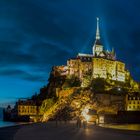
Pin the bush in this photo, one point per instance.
(72, 82)
(98, 85)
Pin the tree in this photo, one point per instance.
(98, 85)
(72, 81)
(118, 90)
(34, 97)
(64, 114)
(47, 104)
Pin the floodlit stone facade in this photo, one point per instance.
(133, 102)
(100, 64)
(104, 68)
(27, 108)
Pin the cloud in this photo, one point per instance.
(16, 73)
(39, 34)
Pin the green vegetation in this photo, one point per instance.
(98, 85)
(72, 81)
(46, 105)
(63, 114)
(71, 105)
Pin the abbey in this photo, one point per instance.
(101, 63)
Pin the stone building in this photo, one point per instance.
(101, 63)
(26, 108)
(133, 102)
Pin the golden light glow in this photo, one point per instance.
(27, 110)
(85, 114)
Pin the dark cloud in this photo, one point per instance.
(23, 75)
(44, 51)
(13, 57)
(37, 34)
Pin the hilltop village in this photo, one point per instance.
(96, 81)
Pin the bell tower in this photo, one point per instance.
(98, 47)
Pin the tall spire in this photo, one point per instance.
(97, 30)
(98, 47)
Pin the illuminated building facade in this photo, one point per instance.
(101, 63)
(133, 102)
(27, 108)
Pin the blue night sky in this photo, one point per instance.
(37, 34)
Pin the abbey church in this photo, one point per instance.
(100, 63)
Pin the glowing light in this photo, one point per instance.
(85, 114)
(119, 89)
(87, 117)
